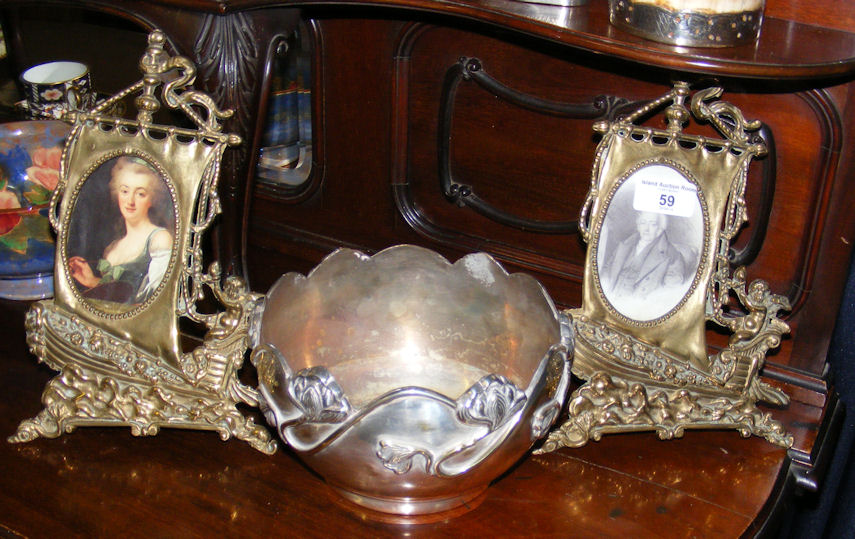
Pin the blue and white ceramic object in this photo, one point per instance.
(30, 154)
(55, 88)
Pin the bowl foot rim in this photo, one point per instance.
(404, 510)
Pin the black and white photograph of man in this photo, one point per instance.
(647, 260)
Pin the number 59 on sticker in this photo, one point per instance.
(673, 195)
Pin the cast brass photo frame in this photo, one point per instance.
(660, 214)
(130, 211)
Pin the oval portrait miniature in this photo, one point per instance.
(121, 234)
(650, 243)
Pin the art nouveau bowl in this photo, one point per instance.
(30, 153)
(409, 383)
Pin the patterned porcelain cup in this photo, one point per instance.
(54, 88)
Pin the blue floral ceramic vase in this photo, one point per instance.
(30, 154)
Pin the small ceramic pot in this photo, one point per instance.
(54, 88)
(30, 154)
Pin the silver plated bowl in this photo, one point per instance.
(409, 383)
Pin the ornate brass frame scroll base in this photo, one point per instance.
(122, 362)
(107, 381)
(635, 384)
(631, 402)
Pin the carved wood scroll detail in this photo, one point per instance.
(471, 69)
(227, 55)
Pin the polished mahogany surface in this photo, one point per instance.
(105, 482)
(787, 48)
(379, 73)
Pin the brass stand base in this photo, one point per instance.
(105, 380)
(82, 397)
(634, 387)
(609, 404)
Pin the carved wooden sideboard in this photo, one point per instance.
(466, 125)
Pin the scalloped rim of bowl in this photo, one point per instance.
(478, 266)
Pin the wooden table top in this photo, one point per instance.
(104, 481)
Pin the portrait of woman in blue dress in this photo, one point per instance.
(139, 245)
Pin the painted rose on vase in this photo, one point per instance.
(44, 172)
(30, 155)
(22, 198)
(8, 219)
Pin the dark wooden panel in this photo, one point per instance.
(539, 165)
(352, 203)
(826, 13)
(804, 112)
